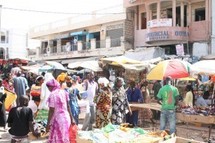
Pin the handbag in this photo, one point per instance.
(73, 130)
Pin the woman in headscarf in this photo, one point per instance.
(60, 118)
(103, 102)
(120, 105)
(43, 106)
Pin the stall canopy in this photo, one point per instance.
(119, 60)
(126, 63)
(44, 67)
(91, 65)
(205, 67)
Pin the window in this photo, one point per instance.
(3, 39)
(154, 14)
(200, 14)
(143, 21)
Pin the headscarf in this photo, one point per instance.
(53, 83)
(45, 92)
(38, 79)
(103, 80)
(62, 77)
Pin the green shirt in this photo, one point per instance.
(168, 94)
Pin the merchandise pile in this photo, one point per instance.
(197, 111)
(123, 134)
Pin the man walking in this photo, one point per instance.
(168, 94)
(20, 86)
(91, 88)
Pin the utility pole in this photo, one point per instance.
(0, 21)
(0, 32)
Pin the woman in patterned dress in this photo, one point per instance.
(60, 117)
(103, 103)
(120, 105)
(146, 113)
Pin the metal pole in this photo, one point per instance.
(0, 31)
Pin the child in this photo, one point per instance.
(20, 120)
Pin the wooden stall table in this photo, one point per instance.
(153, 106)
(208, 120)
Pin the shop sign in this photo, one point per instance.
(182, 33)
(60, 36)
(159, 23)
(159, 35)
(166, 35)
(112, 27)
(132, 1)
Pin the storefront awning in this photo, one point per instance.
(78, 33)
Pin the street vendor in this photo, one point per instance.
(200, 101)
(167, 95)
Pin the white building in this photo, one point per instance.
(13, 44)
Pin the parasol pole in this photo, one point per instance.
(212, 96)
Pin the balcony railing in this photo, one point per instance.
(83, 46)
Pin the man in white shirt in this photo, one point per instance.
(91, 88)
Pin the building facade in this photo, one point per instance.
(4, 44)
(95, 36)
(179, 26)
(13, 44)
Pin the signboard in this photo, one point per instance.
(159, 35)
(132, 1)
(180, 49)
(159, 23)
(61, 36)
(163, 34)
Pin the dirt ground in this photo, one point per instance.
(189, 131)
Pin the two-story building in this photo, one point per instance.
(178, 26)
(98, 34)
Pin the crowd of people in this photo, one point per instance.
(58, 102)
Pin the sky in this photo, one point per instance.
(23, 20)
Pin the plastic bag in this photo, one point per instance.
(108, 128)
(73, 129)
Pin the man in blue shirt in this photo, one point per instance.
(134, 95)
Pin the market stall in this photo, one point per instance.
(123, 134)
(124, 67)
(208, 120)
(153, 106)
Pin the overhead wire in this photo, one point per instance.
(63, 13)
